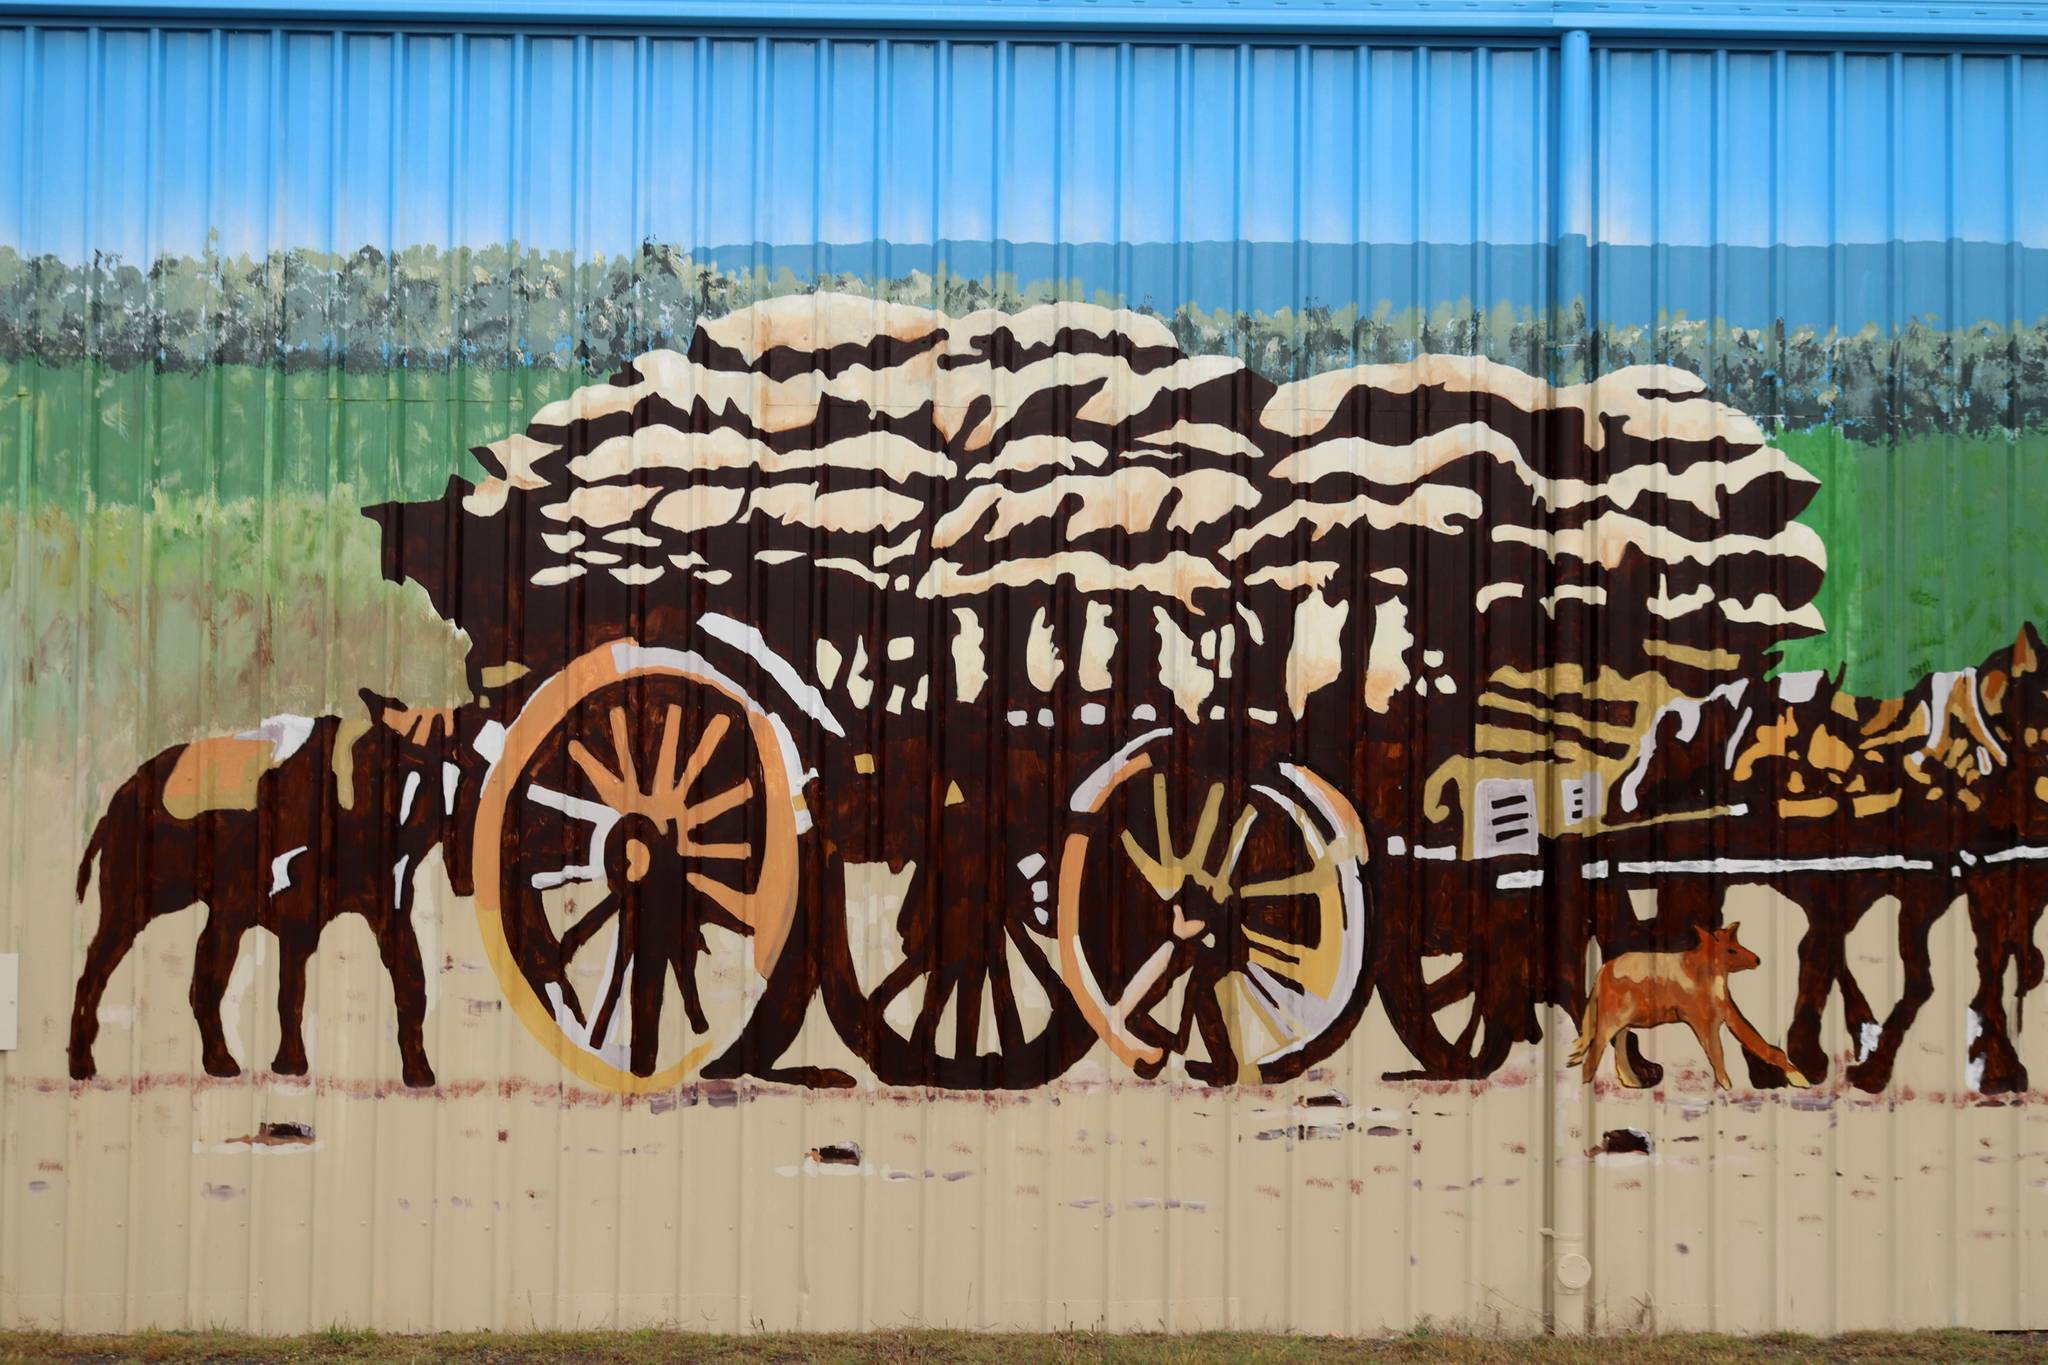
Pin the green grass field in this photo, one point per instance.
(105, 437)
(228, 500)
(194, 617)
(1933, 551)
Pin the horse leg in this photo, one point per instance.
(1857, 1015)
(121, 919)
(1820, 964)
(294, 949)
(1996, 1067)
(401, 953)
(2033, 966)
(220, 943)
(1919, 910)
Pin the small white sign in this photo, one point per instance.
(10, 998)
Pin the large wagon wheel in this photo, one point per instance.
(1494, 972)
(1237, 911)
(637, 825)
(955, 983)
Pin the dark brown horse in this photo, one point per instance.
(287, 826)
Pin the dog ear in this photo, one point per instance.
(1728, 930)
(1704, 936)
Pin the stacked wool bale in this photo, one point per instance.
(1631, 520)
(1430, 521)
(898, 446)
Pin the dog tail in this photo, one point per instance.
(1587, 1019)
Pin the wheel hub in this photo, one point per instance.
(635, 852)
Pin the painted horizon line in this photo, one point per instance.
(1953, 284)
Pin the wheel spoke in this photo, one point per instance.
(1156, 876)
(713, 807)
(1471, 1032)
(622, 750)
(1313, 882)
(1238, 834)
(665, 765)
(1163, 837)
(700, 757)
(682, 961)
(650, 985)
(894, 984)
(580, 932)
(1037, 963)
(1142, 980)
(1272, 961)
(1150, 1031)
(1280, 955)
(1277, 1019)
(967, 1016)
(575, 807)
(622, 956)
(575, 874)
(734, 905)
(602, 779)
(1009, 1021)
(1205, 828)
(938, 984)
(720, 852)
(1453, 986)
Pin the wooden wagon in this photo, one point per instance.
(1017, 682)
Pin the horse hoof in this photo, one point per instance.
(226, 1068)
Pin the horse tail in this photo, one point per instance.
(92, 850)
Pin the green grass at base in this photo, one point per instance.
(644, 1348)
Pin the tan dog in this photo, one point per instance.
(1636, 990)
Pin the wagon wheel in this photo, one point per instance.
(1501, 1011)
(1237, 919)
(637, 825)
(953, 981)
(1481, 1043)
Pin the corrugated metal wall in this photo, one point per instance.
(1846, 187)
(259, 278)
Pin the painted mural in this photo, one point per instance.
(1017, 683)
(821, 680)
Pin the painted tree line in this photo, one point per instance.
(427, 308)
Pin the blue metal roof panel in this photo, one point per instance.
(1946, 20)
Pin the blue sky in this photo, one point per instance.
(142, 142)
